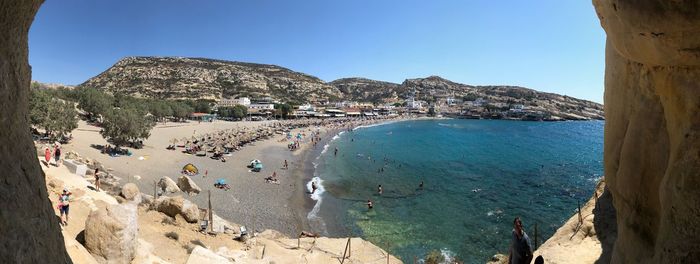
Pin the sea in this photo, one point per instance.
(478, 175)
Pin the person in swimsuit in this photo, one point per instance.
(369, 204)
(64, 205)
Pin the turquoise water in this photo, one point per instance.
(478, 174)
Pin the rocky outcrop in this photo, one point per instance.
(366, 90)
(167, 185)
(652, 144)
(173, 206)
(187, 185)
(30, 232)
(192, 78)
(130, 192)
(203, 255)
(110, 233)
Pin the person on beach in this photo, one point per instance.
(47, 156)
(520, 247)
(64, 205)
(97, 179)
(380, 190)
(286, 166)
(369, 204)
(57, 155)
(313, 187)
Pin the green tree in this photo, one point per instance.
(160, 109)
(180, 110)
(283, 110)
(236, 111)
(55, 116)
(125, 125)
(94, 102)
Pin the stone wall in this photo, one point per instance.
(29, 229)
(652, 110)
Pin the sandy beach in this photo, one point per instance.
(251, 201)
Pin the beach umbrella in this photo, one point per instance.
(191, 169)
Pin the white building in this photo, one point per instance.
(412, 103)
(244, 101)
(307, 107)
(261, 106)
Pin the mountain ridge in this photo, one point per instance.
(205, 78)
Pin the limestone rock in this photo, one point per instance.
(498, 259)
(111, 233)
(187, 185)
(652, 144)
(168, 185)
(203, 255)
(30, 232)
(173, 206)
(130, 191)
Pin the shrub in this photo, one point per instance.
(172, 235)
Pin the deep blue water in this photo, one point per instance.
(478, 174)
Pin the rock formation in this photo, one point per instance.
(193, 78)
(173, 206)
(187, 185)
(130, 192)
(187, 78)
(111, 233)
(167, 185)
(30, 230)
(652, 144)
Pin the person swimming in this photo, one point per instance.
(380, 190)
(369, 204)
(420, 186)
(313, 187)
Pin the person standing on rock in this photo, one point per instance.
(520, 247)
(64, 205)
(57, 155)
(97, 179)
(47, 156)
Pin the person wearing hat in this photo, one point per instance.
(64, 205)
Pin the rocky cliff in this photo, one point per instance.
(652, 144)
(187, 78)
(193, 78)
(29, 230)
(366, 90)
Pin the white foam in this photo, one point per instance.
(316, 196)
(377, 124)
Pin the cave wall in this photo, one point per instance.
(652, 110)
(29, 228)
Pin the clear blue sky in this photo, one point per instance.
(548, 45)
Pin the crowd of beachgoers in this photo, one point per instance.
(224, 141)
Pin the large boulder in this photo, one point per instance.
(203, 255)
(652, 112)
(167, 185)
(111, 233)
(187, 185)
(130, 192)
(173, 206)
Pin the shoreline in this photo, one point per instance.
(251, 201)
